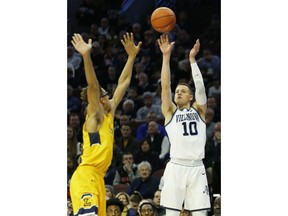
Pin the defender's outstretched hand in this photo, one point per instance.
(128, 43)
(194, 51)
(80, 45)
(164, 44)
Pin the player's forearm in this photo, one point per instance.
(200, 94)
(126, 74)
(165, 72)
(89, 71)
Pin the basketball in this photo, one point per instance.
(163, 19)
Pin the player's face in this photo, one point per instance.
(183, 95)
(104, 98)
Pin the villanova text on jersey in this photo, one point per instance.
(187, 134)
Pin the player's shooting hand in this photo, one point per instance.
(128, 43)
(80, 45)
(164, 44)
(194, 51)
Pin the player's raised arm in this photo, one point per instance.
(125, 77)
(168, 107)
(94, 109)
(200, 95)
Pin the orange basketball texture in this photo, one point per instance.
(163, 19)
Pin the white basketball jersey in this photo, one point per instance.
(187, 135)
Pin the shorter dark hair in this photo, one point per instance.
(185, 84)
(145, 203)
(136, 197)
(116, 202)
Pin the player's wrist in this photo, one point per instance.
(192, 61)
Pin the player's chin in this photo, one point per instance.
(178, 100)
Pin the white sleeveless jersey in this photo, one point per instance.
(187, 135)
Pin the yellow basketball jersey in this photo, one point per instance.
(98, 147)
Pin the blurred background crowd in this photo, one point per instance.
(141, 145)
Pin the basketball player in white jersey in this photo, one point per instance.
(184, 178)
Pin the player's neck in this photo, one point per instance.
(187, 106)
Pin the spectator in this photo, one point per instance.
(127, 143)
(211, 62)
(146, 154)
(115, 163)
(149, 66)
(71, 167)
(104, 27)
(97, 56)
(217, 206)
(160, 211)
(110, 193)
(148, 107)
(123, 119)
(71, 80)
(146, 208)
(74, 58)
(135, 199)
(144, 84)
(212, 103)
(78, 156)
(112, 79)
(125, 199)
(126, 173)
(148, 45)
(74, 122)
(94, 32)
(142, 128)
(86, 15)
(73, 102)
(212, 160)
(133, 95)
(72, 143)
(209, 124)
(160, 143)
(145, 183)
(114, 207)
(214, 89)
(128, 108)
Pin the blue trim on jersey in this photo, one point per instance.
(171, 208)
(87, 194)
(172, 117)
(199, 209)
(94, 138)
(198, 114)
(186, 209)
(83, 211)
(187, 111)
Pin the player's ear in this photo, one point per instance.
(191, 97)
(102, 100)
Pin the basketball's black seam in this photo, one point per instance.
(164, 25)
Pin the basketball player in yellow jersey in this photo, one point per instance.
(87, 187)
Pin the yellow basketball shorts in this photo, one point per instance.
(87, 190)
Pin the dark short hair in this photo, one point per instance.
(147, 203)
(136, 197)
(185, 84)
(116, 202)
